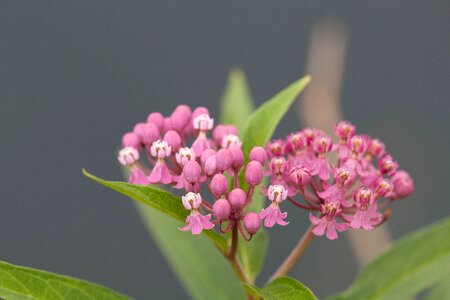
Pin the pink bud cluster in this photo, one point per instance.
(186, 151)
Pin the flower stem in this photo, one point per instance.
(295, 254)
(235, 264)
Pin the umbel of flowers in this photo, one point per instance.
(347, 184)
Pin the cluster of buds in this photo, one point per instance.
(348, 191)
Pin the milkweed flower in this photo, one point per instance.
(347, 184)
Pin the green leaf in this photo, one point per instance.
(412, 264)
(287, 288)
(236, 103)
(202, 270)
(17, 283)
(253, 290)
(252, 253)
(158, 199)
(440, 291)
(263, 122)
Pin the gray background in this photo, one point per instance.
(74, 76)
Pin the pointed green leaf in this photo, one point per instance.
(20, 283)
(287, 288)
(412, 264)
(263, 121)
(201, 269)
(236, 103)
(158, 199)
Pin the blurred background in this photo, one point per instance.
(74, 76)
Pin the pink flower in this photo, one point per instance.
(275, 148)
(366, 210)
(128, 156)
(160, 149)
(160, 174)
(203, 122)
(196, 222)
(335, 193)
(184, 155)
(231, 139)
(328, 222)
(344, 130)
(278, 166)
(387, 165)
(137, 176)
(272, 214)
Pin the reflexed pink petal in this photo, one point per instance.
(155, 175)
(200, 145)
(320, 228)
(331, 230)
(137, 177)
(280, 217)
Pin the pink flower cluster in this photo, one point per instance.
(348, 191)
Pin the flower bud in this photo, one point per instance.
(210, 165)
(300, 176)
(205, 155)
(173, 139)
(403, 185)
(258, 154)
(139, 129)
(181, 117)
(150, 133)
(131, 139)
(237, 156)
(192, 171)
(167, 125)
(200, 111)
(221, 209)
(252, 223)
(219, 184)
(220, 131)
(223, 160)
(157, 119)
(237, 198)
(254, 173)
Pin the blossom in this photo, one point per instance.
(272, 214)
(196, 222)
(328, 222)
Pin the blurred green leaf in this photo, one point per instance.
(439, 291)
(264, 120)
(236, 103)
(202, 270)
(412, 264)
(158, 199)
(287, 288)
(17, 283)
